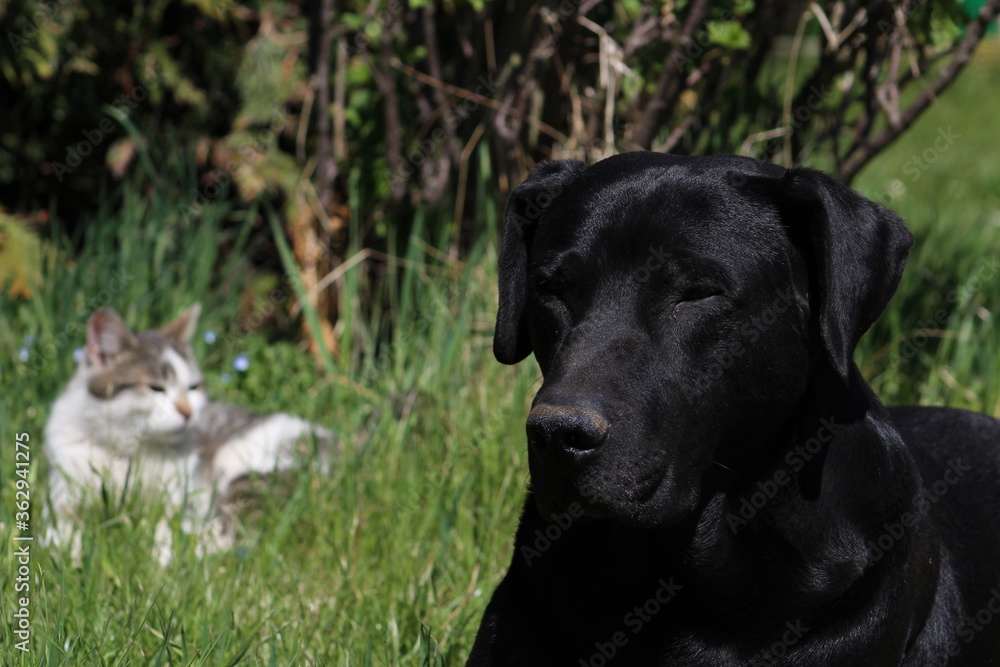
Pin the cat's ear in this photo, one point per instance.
(107, 337)
(182, 329)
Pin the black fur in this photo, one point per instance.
(712, 480)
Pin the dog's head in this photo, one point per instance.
(677, 308)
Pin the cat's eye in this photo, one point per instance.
(195, 387)
(159, 388)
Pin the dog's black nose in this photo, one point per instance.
(565, 428)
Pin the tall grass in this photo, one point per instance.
(391, 558)
(939, 341)
(378, 563)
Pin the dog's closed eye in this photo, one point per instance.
(700, 293)
(554, 284)
(693, 298)
(550, 285)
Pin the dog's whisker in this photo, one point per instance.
(724, 467)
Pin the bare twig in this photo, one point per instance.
(326, 167)
(393, 125)
(678, 133)
(463, 178)
(340, 103)
(668, 87)
(641, 33)
(469, 95)
(974, 31)
(887, 94)
(434, 65)
(831, 35)
(793, 60)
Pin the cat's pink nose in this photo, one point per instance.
(183, 406)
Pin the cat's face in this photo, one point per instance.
(147, 386)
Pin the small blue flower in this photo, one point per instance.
(28, 340)
(78, 355)
(226, 377)
(241, 362)
(210, 337)
(23, 354)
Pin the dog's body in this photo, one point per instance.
(713, 482)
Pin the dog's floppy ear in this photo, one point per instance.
(858, 249)
(526, 208)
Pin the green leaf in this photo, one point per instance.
(944, 32)
(743, 7)
(729, 34)
(20, 261)
(352, 20)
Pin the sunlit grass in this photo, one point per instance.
(392, 557)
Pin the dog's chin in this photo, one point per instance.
(663, 508)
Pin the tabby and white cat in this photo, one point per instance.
(136, 412)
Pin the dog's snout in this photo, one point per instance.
(568, 428)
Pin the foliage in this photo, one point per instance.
(391, 559)
(19, 260)
(301, 103)
(927, 347)
(209, 188)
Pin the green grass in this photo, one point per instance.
(389, 560)
(392, 558)
(939, 342)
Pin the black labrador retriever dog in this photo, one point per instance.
(712, 480)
